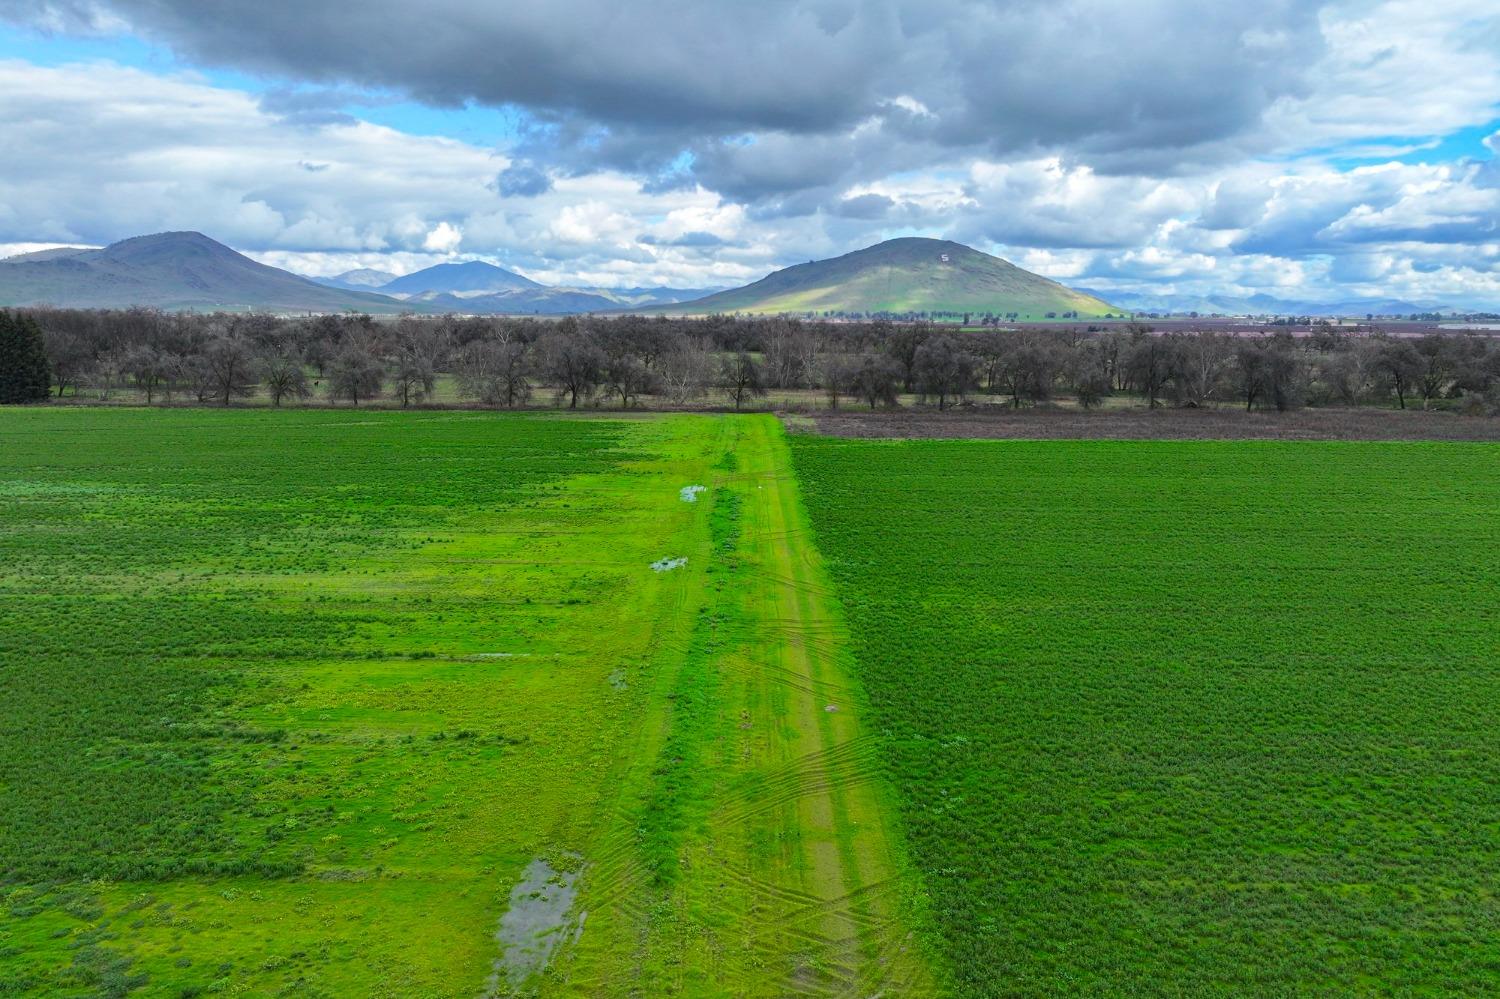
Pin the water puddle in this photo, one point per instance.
(668, 564)
(536, 922)
(689, 494)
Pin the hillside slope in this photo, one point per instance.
(473, 277)
(538, 301)
(172, 270)
(360, 279)
(904, 276)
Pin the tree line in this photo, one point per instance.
(721, 360)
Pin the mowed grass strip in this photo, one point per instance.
(760, 861)
(1184, 718)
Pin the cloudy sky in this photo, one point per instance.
(1308, 151)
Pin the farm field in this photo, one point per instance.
(1184, 718)
(355, 703)
(334, 702)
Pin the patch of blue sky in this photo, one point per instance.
(52, 50)
(1466, 143)
(481, 126)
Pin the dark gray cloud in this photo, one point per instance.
(522, 180)
(867, 207)
(663, 63)
(1236, 204)
(1108, 79)
(687, 239)
(307, 108)
(633, 85)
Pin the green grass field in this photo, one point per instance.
(339, 703)
(1184, 718)
(334, 702)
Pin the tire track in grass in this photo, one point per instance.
(756, 858)
(827, 918)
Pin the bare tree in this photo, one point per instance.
(1345, 373)
(1439, 364)
(1148, 365)
(413, 378)
(944, 369)
(902, 343)
(1089, 375)
(1270, 370)
(285, 376)
(1399, 367)
(571, 361)
(150, 369)
(684, 371)
(421, 346)
(355, 372)
(69, 356)
(1026, 369)
(1478, 366)
(628, 377)
(1112, 351)
(198, 377)
(108, 373)
(495, 372)
(836, 375)
(231, 366)
(740, 378)
(1201, 364)
(788, 351)
(876, 380)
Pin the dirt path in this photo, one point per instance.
(823, 904)
(786, 878)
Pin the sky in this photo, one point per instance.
(1312, 152)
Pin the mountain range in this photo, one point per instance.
(476, 286)
(187, 270)
(1264, 305)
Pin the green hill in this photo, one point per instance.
(904, 276)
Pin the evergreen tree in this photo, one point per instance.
(23, 360)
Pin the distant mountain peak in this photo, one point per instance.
(464, 277)
(904, 276)
(359, 279)
(177, 240)
(172, 270)
(170, 236)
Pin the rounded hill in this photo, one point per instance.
(903, 276)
